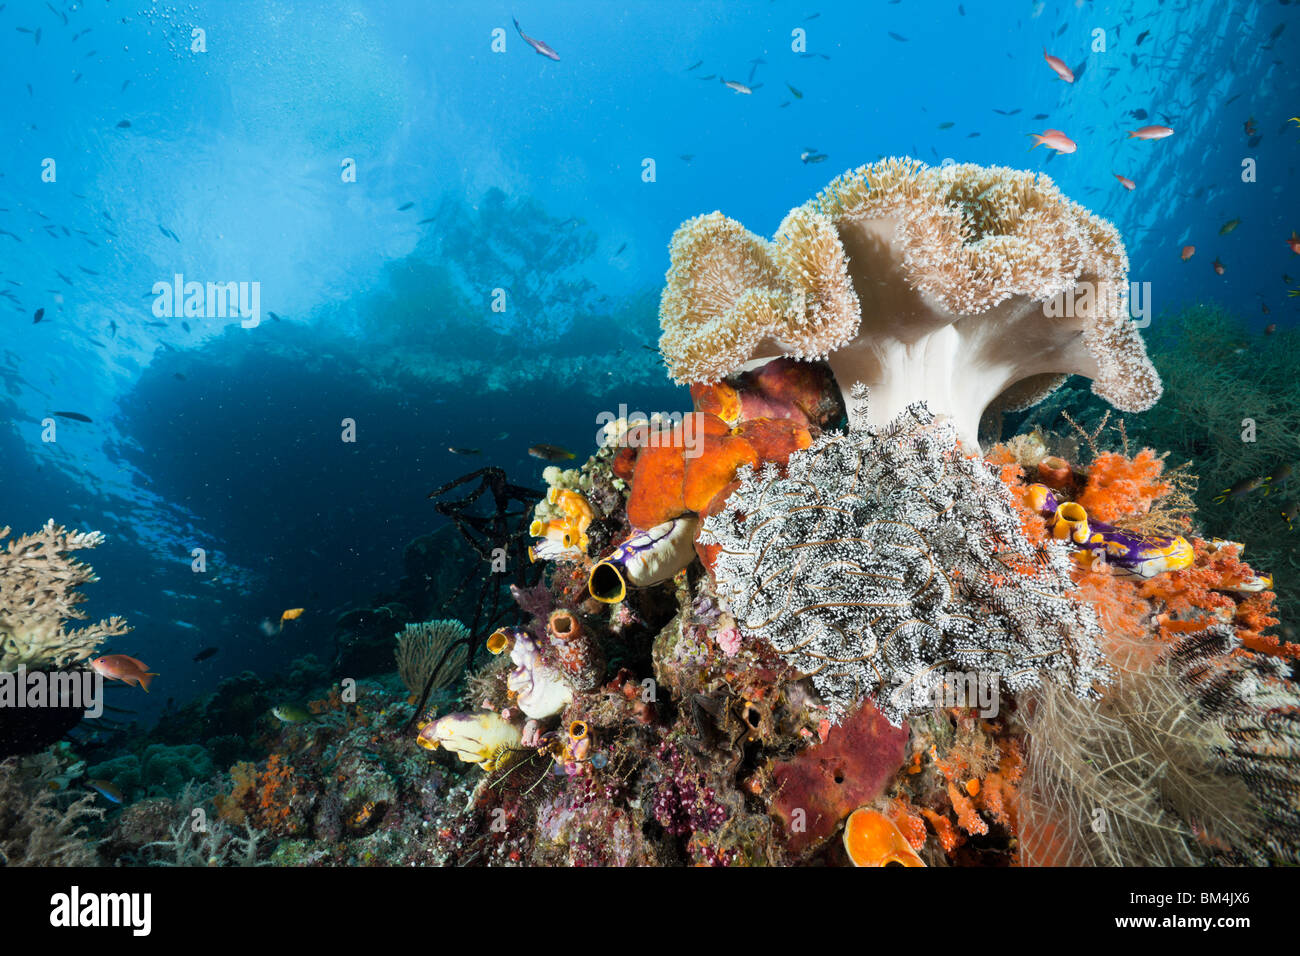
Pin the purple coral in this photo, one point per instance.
(706, 609)
(683, 803)
(537, 602)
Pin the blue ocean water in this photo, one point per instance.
(381, 169)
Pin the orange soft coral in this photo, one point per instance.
(970, 786)
(1178, 601)
(1032, 521)
(949, 838)
(1001, 455)
(1119, 486)
(265, 798)
(230, 807)
(999, 794)
(967, 818)
(908, 820)
(1125, 616)
(1196, 597)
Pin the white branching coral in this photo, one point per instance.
(959, 286)
(886, 559)
(38, 596)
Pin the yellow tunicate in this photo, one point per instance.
(481, 738)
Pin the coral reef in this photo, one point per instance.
(1192, 752)
(39, 579)
(759, 639)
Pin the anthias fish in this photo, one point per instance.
(1058, 66)
(1151, 132)
(126, 669)
(1053, 139)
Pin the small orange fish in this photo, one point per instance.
(1151, 132)
(292, 614)
(1125, 181)
(1294, 243)
(1270, 328)
(1058, 66)
(1053, 139)
(126, 669)
(1188, 252)
(1218, 266)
